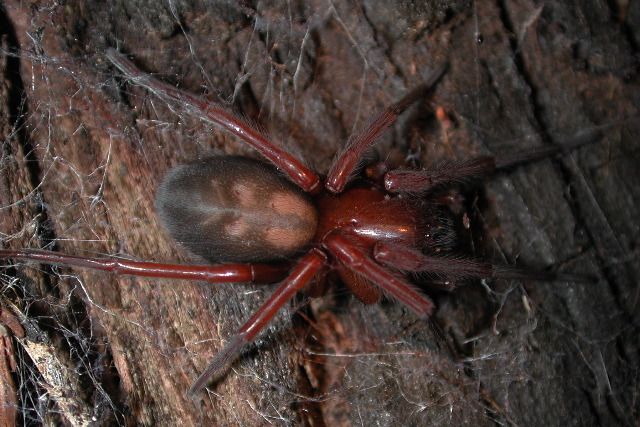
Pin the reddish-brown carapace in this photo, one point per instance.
(278, 221)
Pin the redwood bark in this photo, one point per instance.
(82, 153)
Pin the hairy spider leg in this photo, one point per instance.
(222, 273)
(292, 167)
(299, 277)
(408, 259)
(346, 164)
(349, 254)
(420, 181)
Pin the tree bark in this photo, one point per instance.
(83, 152)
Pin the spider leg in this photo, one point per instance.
(223, 273)
(345, 165)
(354, 258)
(408, 259)
(299, 277)
(413, 181)
(297, 172)
(419, 181)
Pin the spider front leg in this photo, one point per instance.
(420, 181)
(411, 260)
(344, 167)
(299, 277)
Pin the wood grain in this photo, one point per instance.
(82, 153)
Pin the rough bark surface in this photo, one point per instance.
(82, 153)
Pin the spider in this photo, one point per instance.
(248, 217)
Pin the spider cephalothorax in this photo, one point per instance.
(280, 222)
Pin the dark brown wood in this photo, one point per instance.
(82, 154)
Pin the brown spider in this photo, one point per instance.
(253, 216)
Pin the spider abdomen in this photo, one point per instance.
(235, 209)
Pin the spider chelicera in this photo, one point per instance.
(251, 216)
